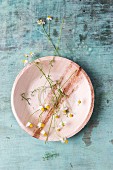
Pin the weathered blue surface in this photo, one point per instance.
(87, 39)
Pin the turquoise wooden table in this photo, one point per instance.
(87, 39)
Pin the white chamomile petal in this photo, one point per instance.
(41, 108)
(43, 133)
(40, 125)
(47, 106)
(29, 124)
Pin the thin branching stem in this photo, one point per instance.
(59, 38)
(50, 40)
(51, 86)
(49, 28)
(33, 114)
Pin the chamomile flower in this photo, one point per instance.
(29, 124)
(79, 101)
(70, 115)
(26, 55)
(43, 133)
(25, 62)
(49, 18)
(41, 108)
(57, 116)
(58, 129)
(40, 125)
(41, 22)
(31, 54)
(64, 140)
(64, 109)
(47, 106)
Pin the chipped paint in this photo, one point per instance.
(111, 141)
(88, 132)
(71, 165)
(50, 156)
(55, 33)
(7, 137)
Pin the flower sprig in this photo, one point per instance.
(42, 23)
(58, 111)
(65, 110)
(27, 58)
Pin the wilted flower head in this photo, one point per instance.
(26, 55)
(31, 54)
(62, 124)
(58, 129)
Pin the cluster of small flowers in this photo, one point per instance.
(46, 107)
(65, 110)
(42, 21)
(28, 56)
(40, 124)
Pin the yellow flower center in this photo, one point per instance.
(79, 101)
(66, 141)
(47, 107)
(70, 115)
(57, 116)
(45, 134)
(31, 125)
(42, 109)
(42, 125)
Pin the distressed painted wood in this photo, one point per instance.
(87, 39)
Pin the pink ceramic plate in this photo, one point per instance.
(77, 88)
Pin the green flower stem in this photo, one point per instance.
(50, 40)
(40, 116)
(49, 28)
(33, 114)
(46, 79)
(59, 38)
(59, 90)
(68, 78)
